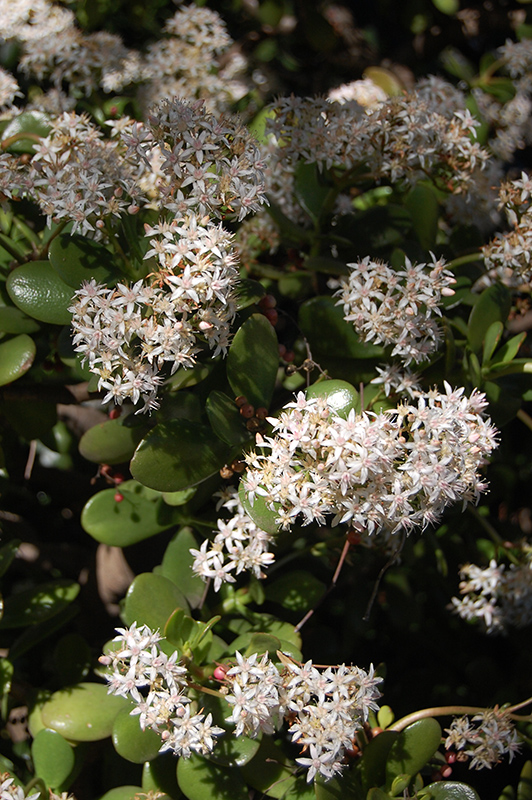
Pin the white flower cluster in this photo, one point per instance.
(157, 684)
(209, 164)
(9, 790)
(398, 381)
(238, 546)
(324, 709)
(498, 596)
(507, 256)
(485, 743)
(402, 138)
(395, 470)
(388, 306)
(127, 334)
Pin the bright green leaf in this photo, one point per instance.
(34, 123)
(448, 790)
(524, 787)
(39, 603)
(177, 566)
(83, 713)
(199, 778)
(413, 748)
(491, 340)
(112, 441)
(16, 357)
(37, 289)
(53, 757)
(13, 320)
(225, 419)
(150, 600)
(77, 259)
(131, 742)
(493, 305)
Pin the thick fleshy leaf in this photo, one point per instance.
(199, 779)
(13, 320)
(53, 757)
(310, 189)
(83, 713)
(270, 772)
(226, 420)
(373, 764)
(177, 566)
(77, 259)
(263, 516)
(248, 292)
(342, 397)
(151, 599)
(413, 748)
(296, 591)
(112, 441)
(30, 417)
(323, 324)
(37, 289)
(38, 604)
(136, 517)
(6, 675)
(159, 775)
(493, 305)
(33, 635)
(491, 340)
(131, 742)
(423, 204)
(448, 790)
(128, 792)
(253, 361)
(34, 123)
(250, 643)
(176, 455)
(16, 357)
(230, 750)
(524, 787)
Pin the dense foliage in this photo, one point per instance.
(265, 385)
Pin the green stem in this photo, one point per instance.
(17, 137)
(11, 248)
(467, 259)
(435, 711)
(43, 252)
(488, 527)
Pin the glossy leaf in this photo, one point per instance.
(37, 289)
(448, 790)
(53, 757)
(413, 748)
(34, 123)
(524, 787)
(128, 792)
(342, 397)
(296, 591)
(159, 775)
(493, 305)
(263, 516)
(225, 419)
(131, 742)
(270, 772)
(248, 292)
(38, 604)
(16, 357)
(233, 751)
(449, 7)
(323, 324)
(176, 455)
(199, 778)
(373, 763)
(151, 599)
(491, 340)
(77, 259)
(135, 518)
(423, 205)
(509, 349)
(33, 635)
(6, 675)
(13, 320)
(111, 442)
(249, 643)
(310, 189)
(177, 566)
(253, 361)
(83, 713)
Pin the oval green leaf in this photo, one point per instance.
(131, 742)
(373, 763)
(296, 591)
(493, 305)
(38, 604)
(413, 748)
(253, 361)
(77, 259)
(176, 455)
(225, 418)
(423, 205)
(83, 713)
(37, 289)
(248, 292)
(262, 516)
(449, 790)
(342, 397)
(177, 566)
(13, 320)
(16, 357)
(270, 772)
(199, 779)
(34, 123)
(111, 442)
(151, 600)
(323, 324)
(159, 775)
(128, 793)
(53, 757)
(133, 519)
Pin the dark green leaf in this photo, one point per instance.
(38, 604)
(270, 772)
(449, 790)
(322, 322)
(34, 123)
(77, 259)
(509, 349)
(296, 591)
(524, 787)
(177, 566)
(13, 320)
(199, 779)
(493, 305)
(413, 748)
(131, 742)
(374, 756)
(263, 516)
(176, 455)
(33, 635)
(225, 419)
(111, 442)
(248, 292)
(310, 189)
(491, 340)
(37, 289)
(253, 361)
(423, 204)
(8, 552)
(159, 775)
